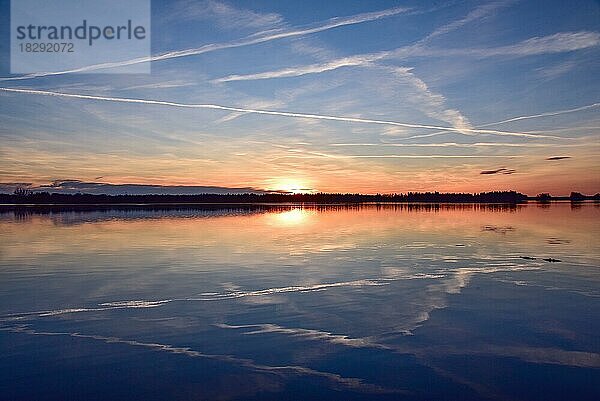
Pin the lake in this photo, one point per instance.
(273, 302)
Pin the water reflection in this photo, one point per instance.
(293, 217)
(308, 302)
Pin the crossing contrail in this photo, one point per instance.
(466, 131)
(548, 114)
(257, 38)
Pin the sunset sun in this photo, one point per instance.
(293, 186)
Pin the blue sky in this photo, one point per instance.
(413, 87)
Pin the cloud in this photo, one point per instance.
(431, 103)
(225, 15)
(557, 43)
(476, 14)
(558, 157)
(335, 23)
(360, 60)
(364, 59)
(557, 69)
(160, 85)
(498, 171)
(272, 113)
(561, 42)
(250, 40)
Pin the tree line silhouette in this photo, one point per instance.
(24, 196)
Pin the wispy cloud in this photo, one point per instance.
(476, 14)
(223, 14)
(335, 23)
(360, 60)
(269, 112)
(250, 40)
(431, 103)
(557, 43)
(555, 71)
(366, 59)
(160, 85)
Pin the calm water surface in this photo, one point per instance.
(269, 303)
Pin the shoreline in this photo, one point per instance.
(285, 204)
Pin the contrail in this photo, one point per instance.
(318, 155)
(260, 37)
(366, 59)
(349, 382)
(557, 43)
(548, 114)
(273, 113)
(459, 145)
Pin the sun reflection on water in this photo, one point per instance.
(292, 217)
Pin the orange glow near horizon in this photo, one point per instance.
(533, 175)
(294, 186)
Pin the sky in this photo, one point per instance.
(337, 96)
